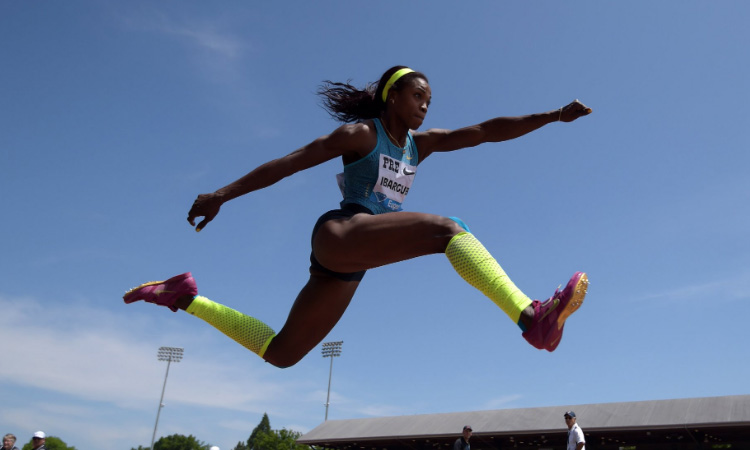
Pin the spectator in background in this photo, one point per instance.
(38, 441)
(9, 442)
(462, 443)
(576, 441)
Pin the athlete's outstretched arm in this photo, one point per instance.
(351, 138)
(493, 130)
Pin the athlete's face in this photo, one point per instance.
(412, 101)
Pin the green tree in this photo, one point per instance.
(240, 446)
(176, 442)
(280, 440)
(264, 437)
(52, 443)
(179, 442)
(264, 427)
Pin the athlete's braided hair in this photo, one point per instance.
(347, 104)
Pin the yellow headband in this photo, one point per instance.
(399, 73)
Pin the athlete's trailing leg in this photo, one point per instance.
(317, 309)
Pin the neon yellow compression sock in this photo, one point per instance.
(245, 330)
(475, 265)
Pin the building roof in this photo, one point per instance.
(706, 417)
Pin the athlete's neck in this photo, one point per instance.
(397, 136)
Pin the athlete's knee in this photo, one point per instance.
(282, 361)
(460, 223)
(282, 364)
(451, 226)
(442, 230)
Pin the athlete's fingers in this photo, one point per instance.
(204, 206)
(202, 224)
(574, 110)
(192, 215)
(207, 217)
(584, 109)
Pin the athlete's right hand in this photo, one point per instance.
(206, 206)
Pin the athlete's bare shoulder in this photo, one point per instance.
(359, 130)
(355, 140)
(428, 140)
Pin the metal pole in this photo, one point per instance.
(328, 397)
(161, 403)
(330, 350)
(167, 354)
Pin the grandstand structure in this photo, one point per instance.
(679, 424)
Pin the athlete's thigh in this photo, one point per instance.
(365, 241)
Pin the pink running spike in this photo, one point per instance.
(164, 293)
(550, 316)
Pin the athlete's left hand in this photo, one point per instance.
(206, 206)
(573, 111)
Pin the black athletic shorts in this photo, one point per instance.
(347, 211)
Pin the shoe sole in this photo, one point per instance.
(579, 293)
(150, 283)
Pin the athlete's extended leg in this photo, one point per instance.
(317, 309)
(364, 241)
(319, 306)
(181, 292)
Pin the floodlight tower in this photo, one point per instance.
(330, 350)
(170, 355)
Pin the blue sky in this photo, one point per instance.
(115, 115)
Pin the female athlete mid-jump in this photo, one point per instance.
(380, 155)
